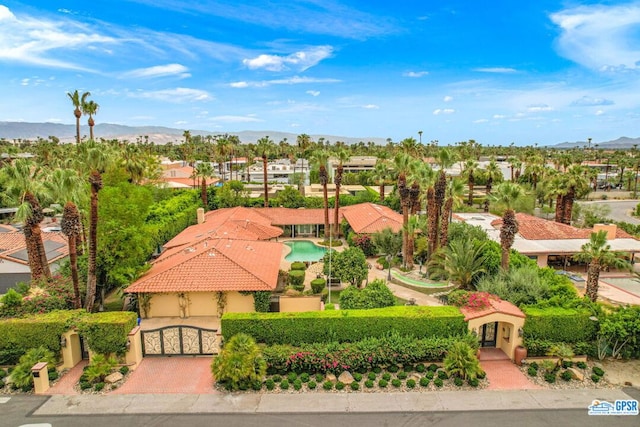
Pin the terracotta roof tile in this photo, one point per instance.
(371, 218)
(534, 228)
(13, 242)
(290, 216)
(496, 305)
(213, 265)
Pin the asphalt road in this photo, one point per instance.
(620, 209)
(17, 412)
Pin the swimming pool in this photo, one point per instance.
(304, 250)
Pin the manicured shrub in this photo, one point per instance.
(3, 373)
(339, 385)
(296, 280)
(319, 378)
(534, 365)
(567, 364)
(357, 377)
(408, 368)
(292, 377)
(256, 385)
(566, 375)
(53, 375)
(124, 370)
(420, 368)
(458, 381)
(581, 365)
(318, 285)
(377, 369)
(346, 325)
(598, 371)
(239, 363)
(595, 378)
(411, 383)
(298, 265)
(558, 324)
(393, 368)
(482, 375)
(396, 383)
(473, 382)
(98, 386)
(85, 385)
(532, 371)
(297, 384)
(386, 376)
(107, 332)
(284, 384)
(424, 381)
(304, 377)
(355, 386)
(276, 378)
(433, 367)
(375, 295)
(327, 385)
(443, 375)
(270, 384)
(550, 377)
(429, 375)
(438, 382)
(371, 376)
(401, 375)
(369, 384)
(383, 383)
(312, 385)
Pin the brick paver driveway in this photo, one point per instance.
(170, 375)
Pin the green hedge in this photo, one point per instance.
(298, 266)
(105, 332)
(318, 285)
(345, 325)
(559, 324)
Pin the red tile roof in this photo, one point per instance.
(496, 305)
(534, 228)
(13, 242)
(290, 216)
(214, 265)
(371, 218)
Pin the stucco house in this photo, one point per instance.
(14, 261)
(548, 242)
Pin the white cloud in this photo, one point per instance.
(159, 71)
(235, 119)
(440, 111)
(24, 82)
(587, 101)
(495, 70)
(177, 95)
(53, 120)
(313, 92)
(40, 41)
(539, 108)
(301, 60)
(180, 122)
(447, 98)
(289, 81)
(371, 107)
(601, 37)
(480, 121)
(599, 112)
(415, 74)
(499, 116)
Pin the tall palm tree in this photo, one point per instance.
(94, 158)
(455, 189)
(78, 101)
(469, 170)
(90, 108)
(402, 162)
(134, 162)
(65, 187)
(204, 171)
(507, 194)
(320, 158)
(264, 147)
(576, 184)
(342, 156)
(493, 172)
(598, 254)
(21, 181)
(381, 173)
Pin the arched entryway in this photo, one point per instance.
(499, 325)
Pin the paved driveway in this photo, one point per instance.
(188, 375)
(620, 209)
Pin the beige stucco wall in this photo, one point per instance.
(202, 304)
(198, 304)
(238, 303)
(164, 305)
(72, 352)
(507, 338)
(298, 304)
(542, 260)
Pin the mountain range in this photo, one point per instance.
(163, 135)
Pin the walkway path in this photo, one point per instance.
(502, 373)
(186, 375)
(69, 380)
(401, 291)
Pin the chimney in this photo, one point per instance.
(611, 230)
(200, 215)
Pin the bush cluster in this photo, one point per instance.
(375, 295)
(559, 324)
(345, 325)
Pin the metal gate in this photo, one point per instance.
(179, 340)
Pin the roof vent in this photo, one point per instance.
(212, 253)
(189, 249)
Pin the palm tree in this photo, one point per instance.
(388, 244)
(381, 173)
(575, 183)
(507, 194)
(493, 172)
(64, 186)
(455, 189)
(342, 156)
(469, 170)
(94, 158)
(598, 254)
(461, 262)
(402, 163)
(21, 182)
(204, 171)
(78, 101)
(264, 147)
(320, 158)
(134, 163)
(90, 108)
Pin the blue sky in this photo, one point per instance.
(498, 72)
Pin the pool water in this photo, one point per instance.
(304, 250)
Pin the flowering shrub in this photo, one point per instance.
(364, 242)
(470, 300)
(42, 297)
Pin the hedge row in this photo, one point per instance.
(105, 332)
(345, 325)
(559, 325)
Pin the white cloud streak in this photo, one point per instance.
(313, 92)
(301, 60)
(176, 70)
(440, 111)
(289, 81)
(497, 70)
(235, 119)
(415, 74)
(177, 95)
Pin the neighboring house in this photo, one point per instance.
(181, 175)
(548, 242)
(14, 262)
(212, 266)
(279, 171)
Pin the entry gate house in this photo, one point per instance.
(179, 340)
